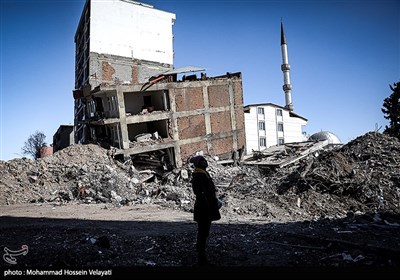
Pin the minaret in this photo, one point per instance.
(287, 87)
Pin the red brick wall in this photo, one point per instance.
(222, 146)
(108, 71)
(238, 95)
(241, 139)
(135, 74)
(239, 115)
(221, 122)
(189, 99)
(188, 150)
(191, 126)
(218, 95)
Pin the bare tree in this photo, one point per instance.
(33, 145)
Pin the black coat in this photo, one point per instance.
(205, 206)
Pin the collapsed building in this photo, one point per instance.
(176, 119)
(129, 97)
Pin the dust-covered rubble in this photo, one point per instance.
(363, 175)
(335, 208)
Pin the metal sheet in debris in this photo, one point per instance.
(283, 155)
(183, 70)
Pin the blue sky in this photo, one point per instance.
(343, 57)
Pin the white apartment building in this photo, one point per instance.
(268, 124)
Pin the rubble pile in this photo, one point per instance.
(79, 171)
(331, 208)
(360, 176)
(363, 175)
(366, 170)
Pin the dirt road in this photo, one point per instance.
(149, 238)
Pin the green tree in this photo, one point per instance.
(391, 111)
(33, 145)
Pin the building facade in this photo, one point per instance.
(128, 95)
(63, 137)
(176, 118)
(268, 124)
(118, 41)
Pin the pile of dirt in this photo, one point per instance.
(366, 169)
(362, 175)
(82, 208)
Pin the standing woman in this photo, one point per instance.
(206, 207)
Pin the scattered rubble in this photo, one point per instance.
(341, 184)
(362, 175)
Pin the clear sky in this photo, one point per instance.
(344, 54)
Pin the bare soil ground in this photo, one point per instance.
(150, 239)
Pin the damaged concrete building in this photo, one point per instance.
(129, 96)
(63, 137)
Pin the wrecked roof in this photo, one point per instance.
(183, 70)
(285, 154)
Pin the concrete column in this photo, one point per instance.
(122, 119)
(207, 117)
(174, 127)
(233, 115)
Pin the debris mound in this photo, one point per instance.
(366, 169)
(362, 175)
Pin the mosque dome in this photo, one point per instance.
(325, 135)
